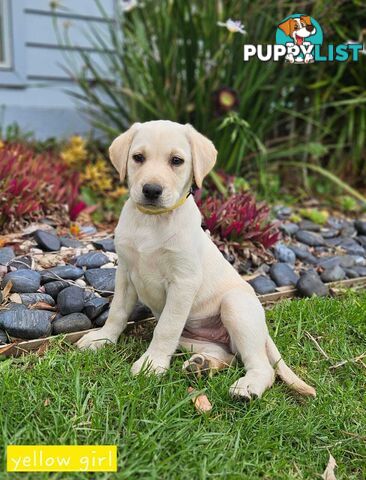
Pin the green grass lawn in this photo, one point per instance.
(69, 397)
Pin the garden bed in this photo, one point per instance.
(58, 284)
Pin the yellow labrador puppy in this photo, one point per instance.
(167, 261)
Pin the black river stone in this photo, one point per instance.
(65, 272)
(102, 279)
(94, 307)
(71, 323)
(47, 241)
(310, 284)
(26, 324)
(24, 281)
(6, 255)
(263, 285)
(71, 300)
(92, 260)
(283, 274)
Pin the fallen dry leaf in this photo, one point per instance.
(5, 348)
(50, 260)
(42, 349)
(329, 471)
(201, 402)
(46, 402)
(15, 298)
(42, 306)
(7, 289)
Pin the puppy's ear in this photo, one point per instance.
(306, 19)
(204, 154)
(118, 151)
(286, 26)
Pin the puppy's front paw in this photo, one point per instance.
(148, 364)
(95, 340)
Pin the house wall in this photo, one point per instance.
(33, 92)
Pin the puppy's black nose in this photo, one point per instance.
(309, 28)
(152, 191)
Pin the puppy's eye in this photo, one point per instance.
(138, 157)
(296, 27)
(176, 161)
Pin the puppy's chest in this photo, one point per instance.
(149, 268)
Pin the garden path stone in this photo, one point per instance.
(333, 274)
(361, 239)
(284, 254)
(360, 270)
(21, 263)
(102, 279)
(304, 254)
(359, 260)
(352, 247)
(283, 275)
(26, 324)
(309, 238)
(24, 281)
(47, 241)
(329, 233)
(65, 272)
(92, 260)
(6, 255)
(140, 312)
(70, 242)
(3, 337)
(282, 211)
(309, 226)
(32, 298)
(106, 244)
(351, 273)
(14, 306)
(289, 229)
(348, 231)
(360, 226)
(94, 307)
(73, 322)
(310, 284)
(101, 319)
(263, 285)
(54, 288)
(334, 242)
(71, 300)
(344, 261)
(336, 223)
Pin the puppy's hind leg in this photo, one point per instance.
(244, 318)
(207, 357)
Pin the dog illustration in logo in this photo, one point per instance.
(298, 29)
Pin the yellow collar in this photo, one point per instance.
(159, 211)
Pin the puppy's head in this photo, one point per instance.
(298, 28)
(160, 159)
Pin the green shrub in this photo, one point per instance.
(170, 59)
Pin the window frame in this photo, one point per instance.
(14, 74)
(6, 64)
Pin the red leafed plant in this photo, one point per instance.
(34, 184)
(238, 219)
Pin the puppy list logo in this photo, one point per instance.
(299, 39)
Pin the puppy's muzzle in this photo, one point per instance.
(309, 28)
(152, 191)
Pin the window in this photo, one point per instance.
(5, 58)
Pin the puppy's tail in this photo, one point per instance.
(285, 372)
